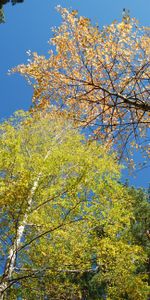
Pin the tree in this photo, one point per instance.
(140, 227)
(2, 3)
(101, 77)
(64, 215)
(139, 234)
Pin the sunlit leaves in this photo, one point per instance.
(76, 217)
(100, 76)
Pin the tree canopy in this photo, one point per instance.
(69, 228)
(66, 219)
(100, 76)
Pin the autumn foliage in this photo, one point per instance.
(70, 228)
(100, 76)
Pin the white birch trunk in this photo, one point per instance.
(11, 259)
(10, 263)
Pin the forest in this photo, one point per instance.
(70, 227)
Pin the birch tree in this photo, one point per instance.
(39, 167)
(63, 214)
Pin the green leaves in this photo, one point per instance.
(66, 219)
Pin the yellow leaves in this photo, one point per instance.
(79, 210)
(145, 44)
(97, 76)
(117, 259)
(124, 27)
(83, 22)
(74, 13)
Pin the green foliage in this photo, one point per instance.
(141, 224)
(64, 213)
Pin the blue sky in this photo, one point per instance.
(28, 26)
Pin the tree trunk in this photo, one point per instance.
(11, 259)
(10, 263)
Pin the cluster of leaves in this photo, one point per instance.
(68, 226)
(70, 229)
(101, 77)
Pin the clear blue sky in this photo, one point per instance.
(28, 26)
